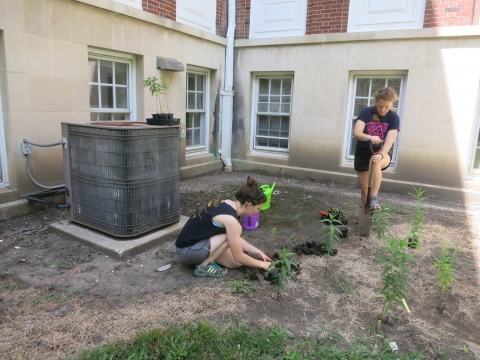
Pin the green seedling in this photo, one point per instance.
(340, 286)
(62, 265)
(381, 219)
(282, 268)
(242, 286)
(330, 235)
(273, 231)
(157, 87)
(394, 274)
(337, 214)
(298, 219)
(416, 220)
(445, 266)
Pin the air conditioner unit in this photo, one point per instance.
(122, 178)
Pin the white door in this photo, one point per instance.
(370, 15)
(200, 14)
(275, 18)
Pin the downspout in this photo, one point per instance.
(227, 93)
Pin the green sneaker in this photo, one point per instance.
(210, 270)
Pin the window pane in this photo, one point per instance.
(363, 86)
(377, 84)
(274, 142)
(284, 143)
(263, 122)
(275, 88)
(263, 88)
(261, 141)
(360, 104)
(189, 138)
(121, 98)
(104, 116)
(121, 73)
(93, 70)
(189, 120)
(106, 72)
(191, 101)
(275, 99)
(263, 98)
(200, 101)
(286, 99)
(285, 108)
(395, 83)
(93, 116)
(120, 116)
(200, 82)
(274, 124)
(196, 137)
(190, 82)
(94, 97)
(107, 97)
(287, 87)
(285, 123)
(262, 107)
(275, 108)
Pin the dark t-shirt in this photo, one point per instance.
(376, 125)
(200, 225)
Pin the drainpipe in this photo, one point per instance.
(227, 93)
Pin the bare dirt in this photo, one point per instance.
(57, 296)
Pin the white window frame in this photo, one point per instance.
(350, 119)
(3, 151)
(101, 54)
(474, 142)
(205, 125)
(264, 150)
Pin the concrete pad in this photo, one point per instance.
(117, 248)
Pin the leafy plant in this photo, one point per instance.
(273, 231)
(340, 286)
(417, 219)
(337, 214)
(298, 219)
(330, 234)
(282, 268)
(381, 219)
(350, 209)
(157, 87)
(445, 266)
(242, 286)
(394, 274)
(62, 265)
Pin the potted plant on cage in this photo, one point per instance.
(159, 87)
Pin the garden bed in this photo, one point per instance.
(58, 296)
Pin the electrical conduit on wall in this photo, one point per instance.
(227, 93)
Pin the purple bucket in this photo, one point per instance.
(251, 222)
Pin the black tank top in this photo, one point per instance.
(200, 225)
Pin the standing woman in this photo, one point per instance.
(374, 125)
(213, 234)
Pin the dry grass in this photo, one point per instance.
(50, 330)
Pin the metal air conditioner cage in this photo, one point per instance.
(122, 178)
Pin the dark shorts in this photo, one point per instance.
(362, 162)
(195, 254)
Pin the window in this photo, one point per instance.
(196, 120)
(273, 109)
(111, 91)
(363, 87)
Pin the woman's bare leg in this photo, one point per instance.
(221, 253)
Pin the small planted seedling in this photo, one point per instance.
(394, 274)
(416, 220)
(242, 286)
(338, 215)
(445, 266)
(282, 268)
(381, 219)
(330, 235)
(298, 219)
(273, 231)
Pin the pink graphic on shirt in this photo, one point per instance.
(377, 129)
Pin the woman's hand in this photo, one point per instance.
(377, 158)
(266, 265)
(375, 139)
(262, 256)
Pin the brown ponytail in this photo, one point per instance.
(251, 193)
